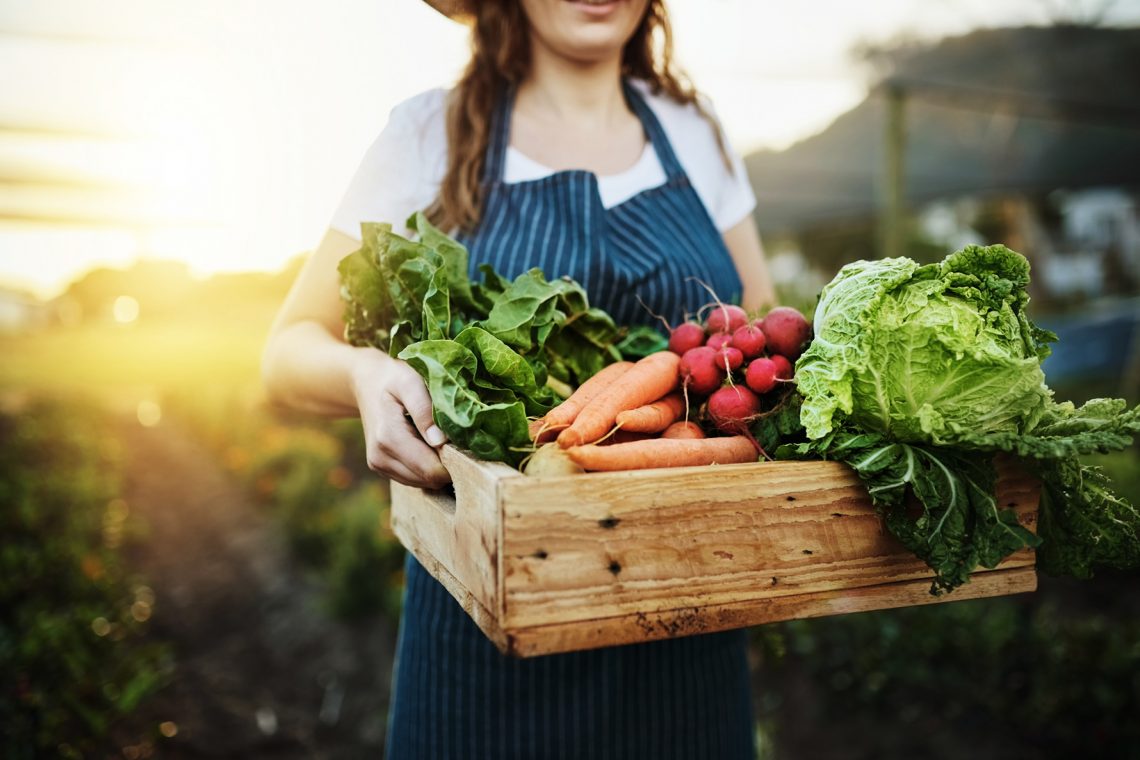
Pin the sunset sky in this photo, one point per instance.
(222, 132)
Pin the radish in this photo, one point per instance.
(787, 331)
(784, 370)
(761, 374)
(699, 371)
(726, 318)
(685, 336)
(750, 340)
(718, 340)
(730, 358)
(682, 429)
(732, 407)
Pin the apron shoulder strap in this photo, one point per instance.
(654, 131)
(500, 136)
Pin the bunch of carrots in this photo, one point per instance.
(637, 415)
(639, 405)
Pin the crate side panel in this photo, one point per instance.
(596, 547)
(460, 535)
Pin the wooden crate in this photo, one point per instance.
(557, 564)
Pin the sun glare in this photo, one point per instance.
(125, 309)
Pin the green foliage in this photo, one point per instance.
(919, 375)
(73, 652)
(486, 350)
(1052, 674)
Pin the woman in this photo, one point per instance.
(569, 144)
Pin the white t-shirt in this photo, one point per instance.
(402, 171)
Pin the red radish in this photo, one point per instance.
(750, 340)
(699, 371)
(784, 369)
(685, 336)
(730, 358)
(761, 374)
(726, 318)
(682, 429)
(718, 340)
(732, 407)
(787, 331)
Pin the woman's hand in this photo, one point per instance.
(388, 393)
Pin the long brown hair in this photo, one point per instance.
(500, 57)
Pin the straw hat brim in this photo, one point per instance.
(460, 10)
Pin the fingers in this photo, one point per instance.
(396, 451)
(411, 392)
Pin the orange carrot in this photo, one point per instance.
(562, 415)
(655, 417)
(664, 452)
(648, 380)
(685, 430)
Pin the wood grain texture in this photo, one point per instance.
(561, 563)
(663, 624)
(459, 532)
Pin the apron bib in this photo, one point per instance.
(454, 695)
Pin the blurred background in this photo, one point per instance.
(185, 572)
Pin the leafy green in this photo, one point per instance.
(641, 341)
(919, 375)
(491, 352)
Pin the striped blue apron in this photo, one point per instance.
(454, 695)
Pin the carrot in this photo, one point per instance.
(648, 380)
(563, 415)
(664, 452)
(655, 417)
(685, 430)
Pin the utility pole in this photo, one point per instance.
(892, 232)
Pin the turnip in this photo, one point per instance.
(732, 408)
(550, 459)
(718, 340)
(699, 371)
(784, 370)
(726, 318)
(685, 336)
(761, 374)
(749, 339)
(787, 331)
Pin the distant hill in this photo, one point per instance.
(1025, 110)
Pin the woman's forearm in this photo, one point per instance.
(306, 368)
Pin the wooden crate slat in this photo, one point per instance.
(553, 564)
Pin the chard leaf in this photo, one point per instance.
(641, 341)
(526, 312)
(507, 369)
(491, 429)
(455, 258)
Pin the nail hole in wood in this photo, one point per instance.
(608, 522)
(615, 568)
(775, 580)
(838, 514)
(791, 498)
(808, 551)
(540, 554)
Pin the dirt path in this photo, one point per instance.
(261, 671)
